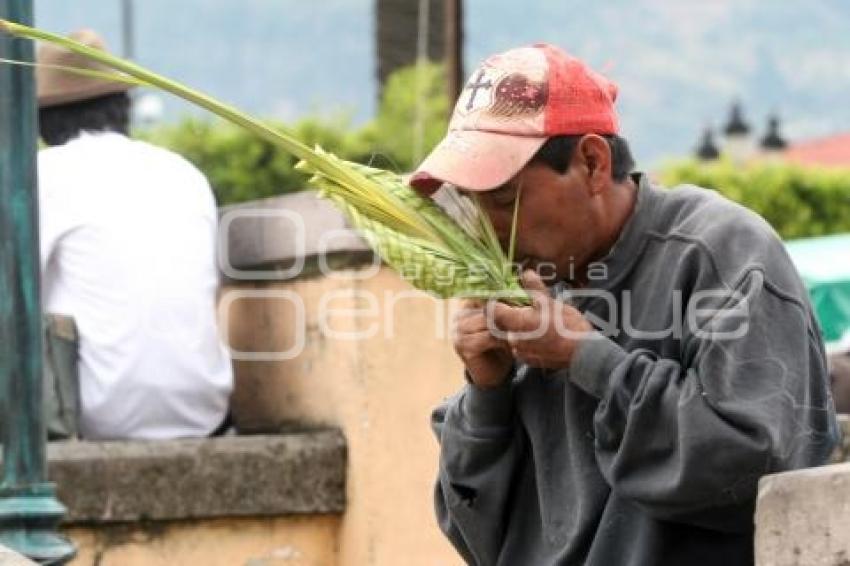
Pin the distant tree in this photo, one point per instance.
(242, 167)
(391, 135)
(797, 201)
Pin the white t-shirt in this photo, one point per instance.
(128, 236)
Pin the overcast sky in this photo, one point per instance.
(679, 63)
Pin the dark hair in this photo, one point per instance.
(62, 123)
(558, 151)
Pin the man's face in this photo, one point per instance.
(557, 224)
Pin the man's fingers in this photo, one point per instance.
(521, 348)
(531, 281)
(505, 318)
(514, 319)
(498, 319)
(476, 343)
(467, 309)
(461, 314)
(527, 353)
(535, 286)
(473, 321)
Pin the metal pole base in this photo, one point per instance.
(28, 522)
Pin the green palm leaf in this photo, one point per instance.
(411, 233)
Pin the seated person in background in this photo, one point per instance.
(128, 239)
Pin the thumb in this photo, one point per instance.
(532, 282)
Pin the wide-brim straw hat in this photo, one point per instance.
(55, 86)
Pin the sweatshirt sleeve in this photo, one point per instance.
(687, 439)
(479, 450)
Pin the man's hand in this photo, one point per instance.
(488, 360)
(544, 335)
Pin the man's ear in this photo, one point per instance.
(595, 154)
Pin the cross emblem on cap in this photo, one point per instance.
(475, 86)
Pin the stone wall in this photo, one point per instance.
(258, 500)
(803, 517)
(295, 540)
(229, 476)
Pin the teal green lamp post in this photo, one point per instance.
(29, 510)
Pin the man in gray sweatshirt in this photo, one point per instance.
(626, 416)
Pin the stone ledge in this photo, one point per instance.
(802, 518)
(261, 235)
(264, 475)
(9, 557)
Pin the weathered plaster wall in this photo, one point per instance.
(285, 541)
(379, 389)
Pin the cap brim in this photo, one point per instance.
(475, 160)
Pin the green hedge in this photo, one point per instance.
(391, 135)
(797, 201)
(241, 167)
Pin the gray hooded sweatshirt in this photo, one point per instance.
(707, 372)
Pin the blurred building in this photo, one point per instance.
(739, 144)
(829, 151)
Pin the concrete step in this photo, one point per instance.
(229, 476)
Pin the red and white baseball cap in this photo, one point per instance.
(511, 105)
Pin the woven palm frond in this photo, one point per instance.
(451, 262)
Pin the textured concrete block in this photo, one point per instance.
(11, 558)
(200, 478)
(803, 518)
(280, 230)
